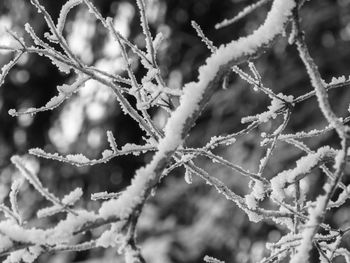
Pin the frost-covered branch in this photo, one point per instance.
(279, 197)
(246, 11)
(316, 80)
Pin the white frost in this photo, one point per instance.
(5, 243)
(212, 260)
(338, 80)
(303, 166)
(78, 158)
(274, 25)
(276, 105)
(251, 201)
(315, 213)
(60, 65)
(111, 237)
(64, 12)
(73, 196)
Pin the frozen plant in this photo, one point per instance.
(119, 212)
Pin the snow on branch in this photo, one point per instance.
(303, 166)
(65, 92)
(64, 12)
(195, 96)
(318, 83)
(212, 260)
(246, 11)
(81, 160)
(6, 68)
(35, 182)
(200, 33)
(118, 212)
(278, 105)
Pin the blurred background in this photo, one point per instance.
(182, 222)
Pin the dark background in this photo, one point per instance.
(182, 223)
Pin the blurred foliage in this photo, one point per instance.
(182, 223)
